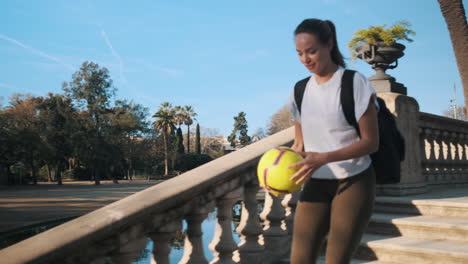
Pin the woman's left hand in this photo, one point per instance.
(311, 162)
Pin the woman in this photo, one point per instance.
(339, 191)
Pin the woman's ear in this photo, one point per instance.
(330, 45)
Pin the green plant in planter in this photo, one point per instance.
(375, 34)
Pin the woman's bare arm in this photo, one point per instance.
(298, 144)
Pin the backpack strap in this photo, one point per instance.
(347, 98)
(299, 90)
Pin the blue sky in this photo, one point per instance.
(221, 57)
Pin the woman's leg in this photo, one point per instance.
(351, 210)
(311, 224)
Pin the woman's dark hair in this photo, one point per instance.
(324, 30)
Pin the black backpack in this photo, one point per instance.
(386, 160)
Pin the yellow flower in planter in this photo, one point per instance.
(378, 34)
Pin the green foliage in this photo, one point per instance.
(188, 116)
(82, 134)
(78, 173)
(91, 90)
(180, 141)
(239, 130)
(192, 160)
(374, 34)
(165, 118)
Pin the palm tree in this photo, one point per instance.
(179, 115)
(179, 118)
(165, 123)
(454, 15)
(189, 117)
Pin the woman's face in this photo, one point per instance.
(312, 53)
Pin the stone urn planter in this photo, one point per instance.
(378, 46)
(381, 57)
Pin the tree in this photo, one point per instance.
(260, 133)
(58, 124)
(454, 15)
(8, 143)
(128, 123)
(211, 142)
(197, 140)
(190, 161)
(188, 120)
(180, 139)
(460, 113)
(280, 120)
(165, 123)
(24, 128)
(179, 118)
(91, 90)
(239, 131)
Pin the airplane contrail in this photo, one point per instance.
(115, 54)
(36, 51)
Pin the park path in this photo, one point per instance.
(22, 206)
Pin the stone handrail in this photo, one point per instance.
(444, 149)
(157, 212)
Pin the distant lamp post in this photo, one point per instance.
(454, 102)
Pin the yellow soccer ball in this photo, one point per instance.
(273, 172)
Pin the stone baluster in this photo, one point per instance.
(460, 151)
(432, 154)
(439, 155)
(96, 253)
(223, 244)
(456, 176)
(461, 148)
(446, 156)
(193, 245)
(250, 229)
(463, 158)
(162, 238)
(289, 203)
(129, 252)
(275, 238)
(423, 136)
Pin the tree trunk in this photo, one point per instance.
(130, 165)
(49, 173)
(3, 174)
(58, 174)
(97, 178)
(188, 138)
(112, 175)
(166, 156)
(33, 171)
(454, 15)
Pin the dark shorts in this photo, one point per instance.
(324, 190)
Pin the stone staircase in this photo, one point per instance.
(419, 229)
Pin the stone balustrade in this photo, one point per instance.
(118, 233)
(444, 150)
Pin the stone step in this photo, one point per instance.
(434, 207)
(421, 227)
(411, 250)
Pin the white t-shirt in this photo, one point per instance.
(324, 126)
